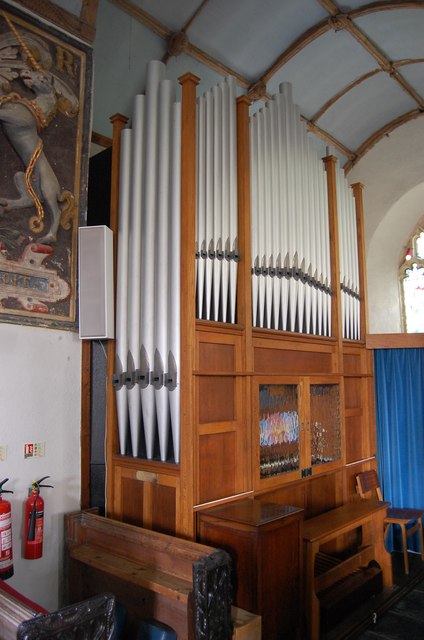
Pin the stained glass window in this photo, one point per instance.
(412, 285)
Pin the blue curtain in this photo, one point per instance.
(399, 381)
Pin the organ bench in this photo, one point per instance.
(367, 519)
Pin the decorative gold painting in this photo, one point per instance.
(45, 102)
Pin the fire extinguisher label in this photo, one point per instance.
(6, 563)
(5, 520)
(5, 532)
(39, 521)
(6, 539)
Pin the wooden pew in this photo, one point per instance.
(178, 582)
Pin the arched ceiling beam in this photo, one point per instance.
(145, 18)
(344, 21)
(374, 7)
(343, 92)
(328, 139)
(378, 135)
(179, 43)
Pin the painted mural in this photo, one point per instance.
(44, 116)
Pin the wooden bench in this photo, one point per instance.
(155, 576)
(367, 517)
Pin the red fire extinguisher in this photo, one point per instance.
(6, 554)
(34, 521)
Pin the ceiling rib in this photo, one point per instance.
(381, 133)
(179, 43)
(180, 39)
(184, 45)
(343, 92)
(375, 7)
(306, 38)
(145, 18)
(329, 139)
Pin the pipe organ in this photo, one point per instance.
(348, 249)
(216, 219)
(148, 304)
(240, 266)
(291, 281)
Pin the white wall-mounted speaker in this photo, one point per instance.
(95, 259)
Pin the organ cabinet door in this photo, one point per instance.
(298, 427)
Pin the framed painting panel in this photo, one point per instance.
(45, 111)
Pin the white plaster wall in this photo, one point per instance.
(392, 173)
(40, 402)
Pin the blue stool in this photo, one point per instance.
(155, 631)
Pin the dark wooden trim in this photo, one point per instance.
(395, 340)
(85, 422)
(101, 140)
(83, 27)
(118, 123)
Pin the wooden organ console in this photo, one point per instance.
(289, 348)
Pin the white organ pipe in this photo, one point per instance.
(283, 153)
(174, 266)
(276, 215)
(209, 201)
(155, 73)
(322, 241)
(320, 215)
(341, 253)
(356, 269)
(261, 218)
(268, 213)
(310, 224)
(233, 213)
(348, 258)
(326, 226)
(148, 271)
(300, 212)
(201, 204)
(253, 128)
(134, 293)
(161, 294)
(285, 89)
(315, 244)
(225, 197)
(290, 229)
(217, 203)
(124, 208)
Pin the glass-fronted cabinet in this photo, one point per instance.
(299, 426)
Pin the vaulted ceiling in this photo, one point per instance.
(357, 70)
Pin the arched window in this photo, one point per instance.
(412, 284)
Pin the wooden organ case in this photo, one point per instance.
(226, 369)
